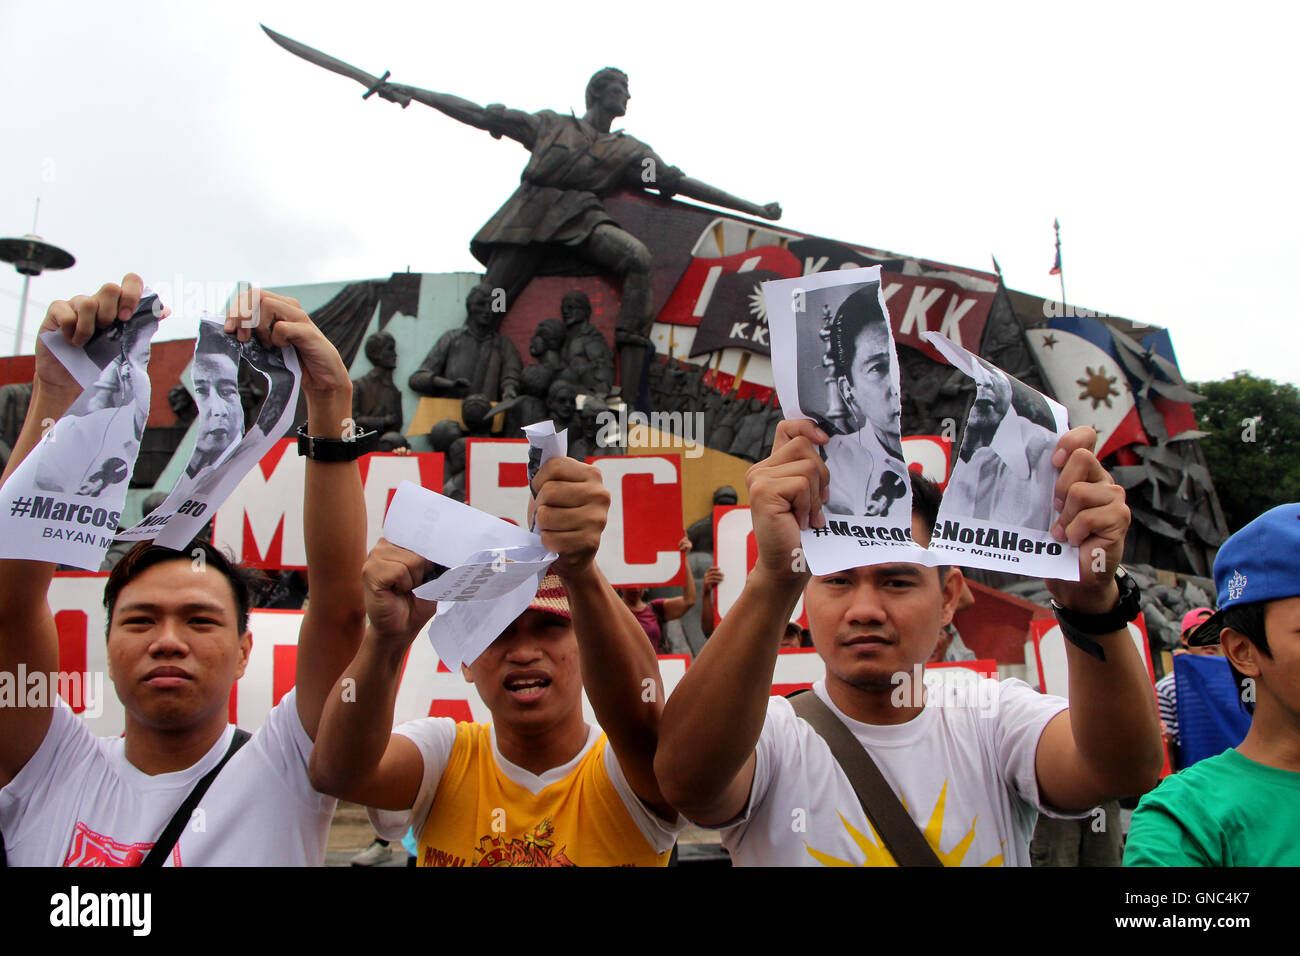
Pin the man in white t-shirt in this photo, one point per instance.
(973, 766)
(177, 641)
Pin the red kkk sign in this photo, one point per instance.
(920, 304)
(720, 295)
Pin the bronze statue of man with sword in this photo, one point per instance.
(557, 211)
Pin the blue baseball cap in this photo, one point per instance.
(1261, 562)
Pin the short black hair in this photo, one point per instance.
(146, 555)
(1248, 620)
(218, 342)
(926, 499)
(857, 312)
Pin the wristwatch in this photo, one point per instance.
(1080, 629)
(336, 449)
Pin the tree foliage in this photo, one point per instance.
(1253, 449)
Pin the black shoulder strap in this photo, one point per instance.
(163, 848)
(898, 831)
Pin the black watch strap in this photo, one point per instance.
(1083, 641)
(1081, 629)
(336, 449)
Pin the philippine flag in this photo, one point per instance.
(1056, 266)
(1089, 381)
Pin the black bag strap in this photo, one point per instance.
(163, 848)
(899, 831)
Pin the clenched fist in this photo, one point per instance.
(569, 512)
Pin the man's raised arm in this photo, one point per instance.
(357, 756)
(620, 671)
(675, 607)
(334, 518)
(495, 118)
(703, 192)
(712, 722)
(1108, 743)
(28, 637)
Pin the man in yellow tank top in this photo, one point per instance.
(538, 786)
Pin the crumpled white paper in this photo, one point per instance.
(64, 502)
(493, 567)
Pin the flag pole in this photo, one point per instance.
(1060, 268)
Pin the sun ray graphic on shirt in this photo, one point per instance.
(875, 853)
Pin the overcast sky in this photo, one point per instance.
(178, 141)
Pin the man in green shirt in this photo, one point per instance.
(1242, 808)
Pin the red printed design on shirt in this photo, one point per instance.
(94, 849)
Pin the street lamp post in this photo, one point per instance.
(31, 256)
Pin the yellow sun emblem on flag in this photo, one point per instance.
(876, 854)
(1098, 386)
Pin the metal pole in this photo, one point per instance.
(1061, 271)
(22, 314)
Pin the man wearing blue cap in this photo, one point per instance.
(1242, 808)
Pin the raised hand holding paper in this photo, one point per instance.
(544, 443)
(493, 567)
(834, 362)
(63, 503)
(486, 558)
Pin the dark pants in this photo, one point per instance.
(1093, 841)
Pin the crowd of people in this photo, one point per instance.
(850, 773)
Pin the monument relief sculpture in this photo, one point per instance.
(587, 359)
(376, 402)
(474, 358)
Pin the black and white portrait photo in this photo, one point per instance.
(834, 363)
(1003, 470)
(76, 477)
(97, 440)
(221, 422)
(215, 374)
(226, 441)
(229, 441)
(848, 384)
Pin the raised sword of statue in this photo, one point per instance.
(334, 65)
